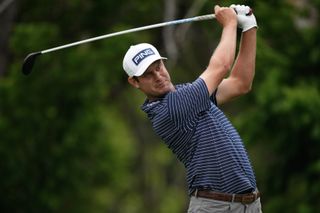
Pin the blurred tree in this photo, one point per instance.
(7, 14)
(74, 140)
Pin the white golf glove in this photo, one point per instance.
(246, 19)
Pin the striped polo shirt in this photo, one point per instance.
(202, 138)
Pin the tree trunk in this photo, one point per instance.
(168, 32)
(7, 14)
(183, 29)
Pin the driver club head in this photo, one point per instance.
(29, 62)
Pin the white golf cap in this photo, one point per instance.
(139, 57)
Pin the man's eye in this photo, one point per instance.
(158, 67)
(147, 74)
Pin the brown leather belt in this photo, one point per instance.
(240, 198)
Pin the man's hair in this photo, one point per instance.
(135, 78)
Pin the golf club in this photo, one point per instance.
(30, 59)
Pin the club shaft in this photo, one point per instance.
(179, 21)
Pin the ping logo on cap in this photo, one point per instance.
(142, 55)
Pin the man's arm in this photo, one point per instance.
(241, 77)
(222, 59)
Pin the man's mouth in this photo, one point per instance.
(160, 85)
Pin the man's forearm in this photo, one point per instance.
(221, 60)
(244, 67)
(225, 51)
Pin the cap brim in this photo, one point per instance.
(145, 66)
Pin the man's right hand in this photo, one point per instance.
(225, 15)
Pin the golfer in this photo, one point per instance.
(219, 174)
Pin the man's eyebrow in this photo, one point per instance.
(153, 65)
(148, 70)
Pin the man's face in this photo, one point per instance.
(155, 81)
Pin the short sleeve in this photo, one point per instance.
(187, 103)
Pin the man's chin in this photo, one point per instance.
(164, 90)
(162, 93)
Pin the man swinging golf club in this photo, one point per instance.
(219, 174)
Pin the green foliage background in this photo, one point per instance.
(72, 136)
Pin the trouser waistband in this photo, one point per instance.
(241, 198)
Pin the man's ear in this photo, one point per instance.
(133, 81)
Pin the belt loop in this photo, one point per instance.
(196, 193)
(233, 196)
(255, 195)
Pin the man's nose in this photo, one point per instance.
(157, 74)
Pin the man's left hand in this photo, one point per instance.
(246, 19)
